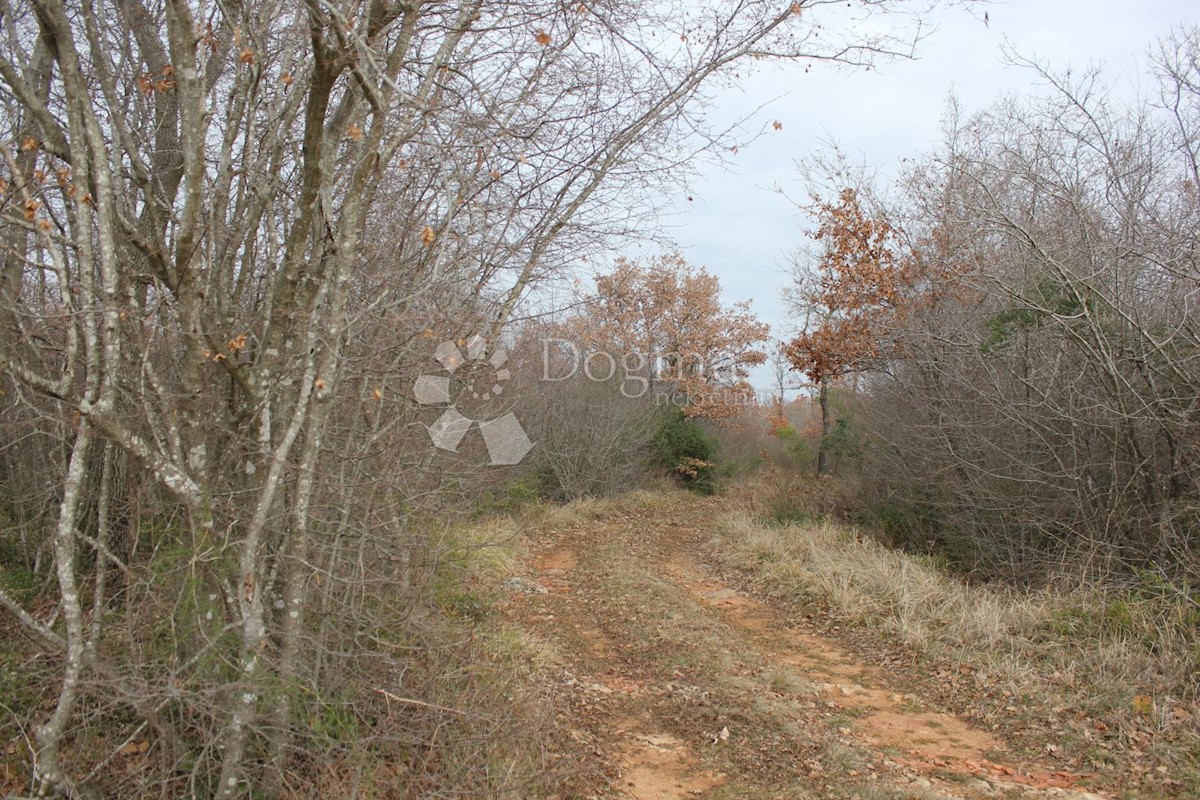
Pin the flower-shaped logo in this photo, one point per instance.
(505, 439)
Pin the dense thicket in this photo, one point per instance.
(1040, 403)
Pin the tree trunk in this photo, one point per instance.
(822, 447)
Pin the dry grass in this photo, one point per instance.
(591, 509)
(489, 548)
(1112, 662)
(875, 586)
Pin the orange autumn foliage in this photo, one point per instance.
(671, 312)
(856, 292)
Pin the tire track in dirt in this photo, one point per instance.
(920, 752)
(654, 764)
(932, 742)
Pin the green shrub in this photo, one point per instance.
(844, 441)
(797, 448)
(683, 447)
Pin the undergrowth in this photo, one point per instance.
(1109, 676)
(429, 693)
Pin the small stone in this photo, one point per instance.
(519, 584)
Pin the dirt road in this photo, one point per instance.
(678, 683)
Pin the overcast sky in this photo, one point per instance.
(741, 228)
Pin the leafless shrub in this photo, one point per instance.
(1040, 413)
(592, 440)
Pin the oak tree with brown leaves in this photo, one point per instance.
(847, 301)
(668, 316)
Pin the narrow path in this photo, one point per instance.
(685, 686)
